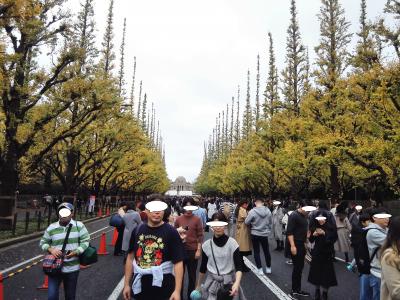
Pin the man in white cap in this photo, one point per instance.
(155, 254)
(376, 235)
(297, 233)
(52, 242)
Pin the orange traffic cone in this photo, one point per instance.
(103, 248)
(1, 287)
(115, 237)
(45, 284)
(108, 211)
(99, 213)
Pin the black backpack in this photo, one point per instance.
(361, 254)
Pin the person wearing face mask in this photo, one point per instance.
(52, 242)
(322, 272)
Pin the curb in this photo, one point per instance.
(37, 234)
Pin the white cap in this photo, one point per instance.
(308, 208)
(64, 212)
(319, 218)
(382, 216)
(358, 207)
(289, 212)
(276, 202)
(217, 223)
(190, 207)
(156, 206)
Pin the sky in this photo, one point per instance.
(192, 55)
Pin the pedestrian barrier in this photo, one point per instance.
(103, 248)
(1, 287)
(115, 237)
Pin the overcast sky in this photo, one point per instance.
(192, 55)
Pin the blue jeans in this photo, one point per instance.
(370, 287)
(70, 281)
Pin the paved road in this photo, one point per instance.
(99, 281)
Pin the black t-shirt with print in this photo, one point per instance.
(152, 246)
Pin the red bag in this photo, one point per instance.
(52, 265)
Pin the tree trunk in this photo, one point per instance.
(9, 178)
(335, 184)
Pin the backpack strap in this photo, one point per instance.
(376, 249)
(66, 238)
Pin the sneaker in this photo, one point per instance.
(289, 262)
(293, 296)
(268, 270)
(260, 271)
(301, 293)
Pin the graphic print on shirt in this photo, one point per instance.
(150, 251)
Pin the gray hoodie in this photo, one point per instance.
(375, 238)
(260, 219)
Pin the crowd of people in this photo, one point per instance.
(163, 239)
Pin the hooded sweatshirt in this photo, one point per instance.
(260, 219)
(375, 238)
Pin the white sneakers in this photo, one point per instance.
(267, 270)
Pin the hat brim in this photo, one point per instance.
(64, 212)
(359, 207)
(320, 218)
(190, 207)
(154, 206)
(217, 223)
(276, 202)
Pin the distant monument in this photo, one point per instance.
(180, 187)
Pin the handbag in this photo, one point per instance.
(116, 220)
(224, 291)
(89, 256)
(53, 265)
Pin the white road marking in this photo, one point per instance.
(20, 264)
(117, 291)
(268, 282)
(36, 257)
(99, 230)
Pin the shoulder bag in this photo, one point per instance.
(89, 256)
(53, 265)
(225, 290)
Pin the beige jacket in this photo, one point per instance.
(390, 279)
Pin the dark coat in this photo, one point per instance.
(322, 271)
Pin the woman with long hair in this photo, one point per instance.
(222, 262)
(390, 262)
(242, 235)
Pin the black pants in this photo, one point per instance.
(118, 243)
(298, 265)
(263, 241)
(190, 263)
